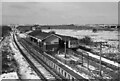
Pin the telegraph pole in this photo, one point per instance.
(82, 57)
(100, 57)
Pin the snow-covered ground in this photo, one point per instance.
(46, 74)
(25, 71)
(10, 75)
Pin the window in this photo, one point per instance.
(65, 74)
(62, 71)
(59, 69)
(73, 79)
(54, 65)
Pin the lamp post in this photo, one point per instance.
(100, 57)
(65, 49)
(88, 61)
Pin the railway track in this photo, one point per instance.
(36, 48)
(94, 61)
(97, 60)
(105, 69)
(35, 56)
(31, 64)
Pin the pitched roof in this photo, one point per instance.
(43, 35)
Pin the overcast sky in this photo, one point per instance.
(60, 12)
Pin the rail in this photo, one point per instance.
(29, 61)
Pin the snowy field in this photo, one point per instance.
(98, 36)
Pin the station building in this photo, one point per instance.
(52, 41)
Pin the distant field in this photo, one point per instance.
(72, 27)
(0, 52)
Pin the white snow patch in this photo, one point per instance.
(11, 75)
(90, 66)
(23, 35)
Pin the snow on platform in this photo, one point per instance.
(103, 59)
(11, 75)
(24, 68)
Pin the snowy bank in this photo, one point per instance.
(25, 70)
(46, 73)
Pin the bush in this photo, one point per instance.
(8, 64)
(6, 30)
(87, 40)
(94, 30)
